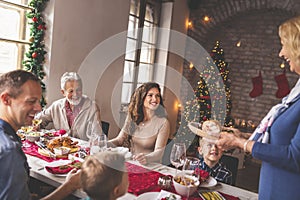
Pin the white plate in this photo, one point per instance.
(148, 196)
(122, 150)
(128, 155)
(56, 164)
(127, 196)
(211, 182)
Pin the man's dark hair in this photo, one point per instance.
(14, 80)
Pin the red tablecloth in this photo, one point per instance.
(142, 180)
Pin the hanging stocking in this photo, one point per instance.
(283, 85)
(257, 86)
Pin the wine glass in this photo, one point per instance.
(177, 156)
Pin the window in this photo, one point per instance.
(14, 34)
(140, 48)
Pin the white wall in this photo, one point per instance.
(175, 62)
(88, 36)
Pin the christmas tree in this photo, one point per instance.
(211, 98)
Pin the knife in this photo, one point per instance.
(44, 147)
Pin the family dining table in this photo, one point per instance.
(142, 178)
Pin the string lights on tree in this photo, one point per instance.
(207, 93)
(35, 56)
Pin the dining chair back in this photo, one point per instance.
(231, 163)
(105, 127)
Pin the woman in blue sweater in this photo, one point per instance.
(276, 141)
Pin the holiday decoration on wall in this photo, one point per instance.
(257, 86)
(283, 85)
(36, 53)
(200, 108)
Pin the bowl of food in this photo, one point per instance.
(33, 136)
(185, 185)
(61, 151)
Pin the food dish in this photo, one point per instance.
(46, 153)
(59, 142)
(210, 182)
(194, 127)
(185, 185)
(210, 195)
(148, 196)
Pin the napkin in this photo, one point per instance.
(63, 169)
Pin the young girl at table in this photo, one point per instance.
(146, 127)
(104, 177)
(211, 154)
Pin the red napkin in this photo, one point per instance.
(59, 132)
(63, 169)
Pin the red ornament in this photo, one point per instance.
(35, 19)
(40, 27)
(208, 106)
(34, 55)
(204, 118)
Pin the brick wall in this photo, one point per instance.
(254, 23)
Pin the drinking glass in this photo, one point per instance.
(102, 142)
(190, 163)
(98, 143)
(177, 156)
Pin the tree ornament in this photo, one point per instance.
(34, 19)
(257, 86)
(34, 55)
(40, 27)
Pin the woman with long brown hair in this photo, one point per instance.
(146, 127)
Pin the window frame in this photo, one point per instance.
(140, 16)
(23, 29)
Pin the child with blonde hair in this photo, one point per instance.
(211, 154)
(104, 177)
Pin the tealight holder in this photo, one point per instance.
(165, 182)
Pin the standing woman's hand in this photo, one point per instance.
(229, 141)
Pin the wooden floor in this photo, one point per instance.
(248, 176)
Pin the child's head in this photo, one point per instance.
(103, 176)
(207, 148)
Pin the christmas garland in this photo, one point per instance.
(36, 53)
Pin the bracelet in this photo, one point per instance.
(245, 145)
